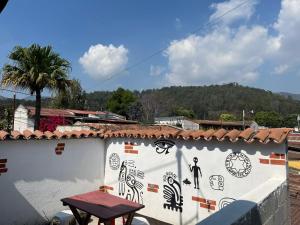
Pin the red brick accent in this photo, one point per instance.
(60, 147)
(278, 162)
(152, 190)
(129, 148)
(106, 188)
(3, 170)
(153, 186)
(277, 156)
(207, 206)
(204, 201)
(264, 161)
(132, 151)
(2, 165)
(3, 160)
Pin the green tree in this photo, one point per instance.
(74, 97)
(36, 68)
(7, 120)
(268, 119)
(227, 117)
(290, 121)
(120, 102)
(180, 111)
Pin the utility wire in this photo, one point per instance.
(13, 91)
(209, 23)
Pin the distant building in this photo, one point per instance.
(51, 118)
(228, 125)
(178, 121)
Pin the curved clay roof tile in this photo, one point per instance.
(232, 135)
(246, 134)
(262, 135)
(16, 135)
(3, 135)
(219, 134)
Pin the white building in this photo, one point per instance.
(179, 121)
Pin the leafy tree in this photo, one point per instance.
(290, 121)
(120, 101)
(227, 117)
(36, 68)
(135, 111)
(7, 120)
(268, 119)
(181, 111)
(74, 97)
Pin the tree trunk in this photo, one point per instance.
(38, 100)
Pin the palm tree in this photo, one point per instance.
(36, 68)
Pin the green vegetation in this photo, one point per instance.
(36, 68)
(73, 97)
(215, 102)
(227, 117)
(122, 102)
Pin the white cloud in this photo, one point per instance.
(218, 57)
(101, 61)
(236, 54)
(244, 10)
(288, 27)
(156, 70)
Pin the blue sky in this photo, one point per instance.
(252, 45)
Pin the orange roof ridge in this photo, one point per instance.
(277, 135)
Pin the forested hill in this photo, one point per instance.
(207, 102)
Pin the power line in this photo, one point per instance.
(14, 91)
(209, 23)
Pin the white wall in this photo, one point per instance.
(37, 178)
(22, 122)
(211, 156)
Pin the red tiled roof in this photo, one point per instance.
(277, 135)
(50, 112)
(62, 112)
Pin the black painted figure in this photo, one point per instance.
(122, 179)
(129, 186)
(196, 171)
(172, 193)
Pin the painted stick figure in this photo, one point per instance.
(196, 170)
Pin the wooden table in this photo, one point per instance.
(102, 205)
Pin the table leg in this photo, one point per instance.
(129, 218)
(77, 216)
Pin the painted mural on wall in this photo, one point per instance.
(238, 164)
(216, 182)
(163, 146)
(114, 161)
(172, 192)
(130, 185)
(196, 170)
(225, 201)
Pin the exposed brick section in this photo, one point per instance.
(277, 162)
(3, 160)
(153, 188)
(129, 148)
(3, 168)
(264, 161)
(60, 147)
(106, 188)
(205, 203)
(274, 159)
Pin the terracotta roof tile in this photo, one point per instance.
(3, 135)
(232, 135)
(277, 135)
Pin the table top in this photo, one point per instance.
(102, 205)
